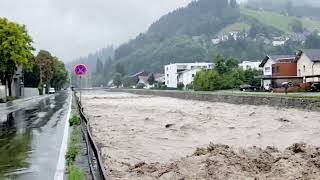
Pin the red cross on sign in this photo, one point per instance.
(80, 70)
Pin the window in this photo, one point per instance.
(304, 68)
(267, 69)
(278, 69)
(192, 75)
(167, 75)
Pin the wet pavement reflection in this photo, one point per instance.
(30, 137)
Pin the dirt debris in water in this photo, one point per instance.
(163, 133)
(299, 161)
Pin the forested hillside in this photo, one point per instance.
(305, 8)
(188, 35)
(185, 36)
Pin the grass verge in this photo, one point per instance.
(75, 173)
(73, 149)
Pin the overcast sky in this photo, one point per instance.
(73, 28)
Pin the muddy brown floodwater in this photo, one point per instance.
(150, 137)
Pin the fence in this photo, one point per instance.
(95, 161)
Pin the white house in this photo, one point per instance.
(267, 63)
(215, 41)
(187, 77)
(278, 43)
(172, 71)
(308, 65)
(246, 65)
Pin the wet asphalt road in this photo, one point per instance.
(31, 134)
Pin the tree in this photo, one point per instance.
(233, 3)
(151, 79)
(120, 68)
(117, 80)
(250, 77)
(208, 80)
(99, 67)
(221, 66)
(107, 67)
(296, 26)
(45, 62)
(15, 50)
(32, 78)
(313, 41)
(60, 74)
(289, 7)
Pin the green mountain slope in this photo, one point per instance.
(279, 21)
(185, 34)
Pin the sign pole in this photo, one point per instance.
(80, 70)
(80, 88)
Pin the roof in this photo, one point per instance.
(312, 54)
(141, 73)
(278, 58)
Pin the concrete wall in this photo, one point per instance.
(30, 92)
(2, 93)
(301, 103)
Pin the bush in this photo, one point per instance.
(163, 87)
(74, 121)
(73, 149)
(208, 80)
(180, 86)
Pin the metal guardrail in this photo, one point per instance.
(94, 156)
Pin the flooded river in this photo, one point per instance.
(134, 128)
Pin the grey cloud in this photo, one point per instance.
(73, 28)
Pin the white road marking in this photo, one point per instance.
(59, 175)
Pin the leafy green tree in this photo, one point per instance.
(250, 77)
(296, 26)
(32, 78)
(151, 79)
(208, 80)
(60, 74)
(117, 80)
(45, 62)
(220, 64)
(15, 50)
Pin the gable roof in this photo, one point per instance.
(141, 73)
(312, 54)
(278, 58)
